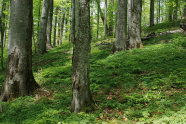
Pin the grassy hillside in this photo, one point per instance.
(136, 86)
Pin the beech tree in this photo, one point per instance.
(49, 25)
(19, 77)
(134, 23)
(42, 38)
(151, 13)
(81, 95)
(121, 30)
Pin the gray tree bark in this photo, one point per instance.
(42, 38)
(151, 13)
(105, 21)
(81, 96)
(19, 77)
(121, 30)
(134, 23)
(55, 27)
(49, 25)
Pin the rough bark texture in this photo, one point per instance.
(121, 31)
(62, 29)
(151, 13)
(19, 77)
(49, 25)
(42, 38)
(105, 21)
(134, 22)
(81, 53)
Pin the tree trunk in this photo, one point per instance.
(151, 13)
(43, 25)
(183, 23)
(62, 29)
(105, 21)
(176, 11)
(39, 16)
(81, 98)
(55, 25)
(134, 20)
(170, 8)
(19, 77)
(111, 22)
(121, 31)
(98, 24)
(49, 25)
(2, 19)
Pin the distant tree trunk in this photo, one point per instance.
(151, 13)
(43, 25)
(175, 16)
(39, 17)
(105, 21)
(55, 25)
(111, 22)
(49, 25)
(81, 96)
(183, 23)
(121, 31)
(97, 24)
(134, 20)
(170, 11)
(2, 25)
(19, 77)
(62, 29)
(159, 13)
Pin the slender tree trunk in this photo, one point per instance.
(98, 24)
(2, 30)
(81, 96)
(111, 22)
(170, 11)
(105, 21)
(134, 20)
(49, 25)
(39, 16)
(159, 13)
(55, 27)
(121, 31)
(42, 38)
(183, 23)
(151, 13)
(19, 77)
(176, 11)
(62, 29)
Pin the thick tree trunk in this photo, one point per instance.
(80, 62)
(55, 27)
(42, 38)
(134, 20)
(121, 31)
(151, 13)
(19, 77)
(105, 21)
(49, 25)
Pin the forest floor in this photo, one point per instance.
(144, 85)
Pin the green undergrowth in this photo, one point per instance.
(162, 27)
(144, 85)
